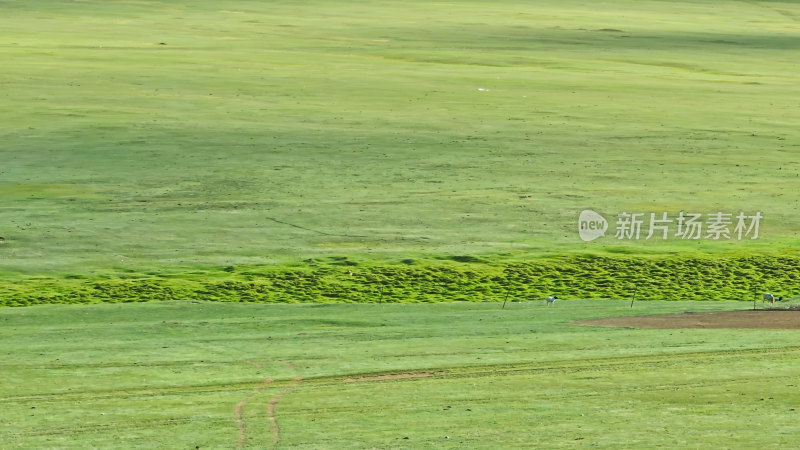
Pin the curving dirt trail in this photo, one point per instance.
(276, 431)
(238, 413)
(238, 410)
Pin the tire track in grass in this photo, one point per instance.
(238, 412)
(568, 365)
(273, 403)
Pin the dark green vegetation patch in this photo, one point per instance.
(741, 278)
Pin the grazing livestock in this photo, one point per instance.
(770, 298)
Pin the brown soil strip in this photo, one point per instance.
(276, 431)
(750, 319)
(390, 377)
(238, 413)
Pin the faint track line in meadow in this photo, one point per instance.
(315, 231)
(619, 362)
(273, 403)
(563, 366)
(450, 372)
(69, 430)
(132, 393)
(238, 413)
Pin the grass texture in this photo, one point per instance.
(229, 375)
(170, 136)
(459, 278)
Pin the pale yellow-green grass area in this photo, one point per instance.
(163, 136)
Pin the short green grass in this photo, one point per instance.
(400, 152)
(165, 136)
(171, 374)
(176, 139)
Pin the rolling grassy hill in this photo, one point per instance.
(147, 139)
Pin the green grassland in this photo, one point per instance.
(208, 158)
(165, 141)
(183, 374)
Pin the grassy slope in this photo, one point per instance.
(363, 124)
(171, 374)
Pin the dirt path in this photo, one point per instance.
(273, 403)
(749, 319)
(238, 413)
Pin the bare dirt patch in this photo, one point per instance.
(754, 319)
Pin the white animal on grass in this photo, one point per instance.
(551, 300)
(768, 298)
